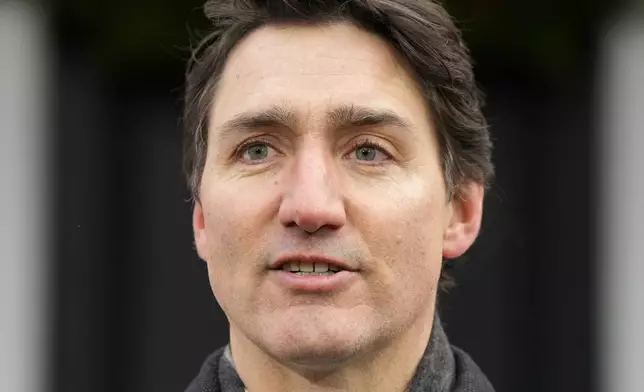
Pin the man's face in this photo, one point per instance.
(321, 148)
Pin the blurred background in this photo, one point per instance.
(101, 289)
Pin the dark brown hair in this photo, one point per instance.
(422, 33)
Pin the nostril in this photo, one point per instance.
(290, 224)
(310, 206)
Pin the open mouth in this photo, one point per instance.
(313, 274)
(307, 268)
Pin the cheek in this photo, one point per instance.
(235, 213)
(235, 228)
(403, 228)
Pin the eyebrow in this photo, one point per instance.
(339, 118)
(275, 116)
(359, 116)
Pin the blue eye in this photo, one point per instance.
(256, 152)
(366, 153)
(369, 151)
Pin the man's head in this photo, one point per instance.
(341, 131)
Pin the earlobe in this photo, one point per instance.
(199, 229)
(465, 221)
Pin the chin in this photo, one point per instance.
(315, 342)
(318, 355)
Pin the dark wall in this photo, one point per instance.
(524, 300)
(134, 311)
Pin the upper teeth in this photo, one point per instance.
(304, 266)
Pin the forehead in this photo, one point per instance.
(312, 69)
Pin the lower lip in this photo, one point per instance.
(314, 283)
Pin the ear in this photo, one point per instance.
(464, 220)
(199, 229)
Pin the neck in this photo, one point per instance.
(390, 368)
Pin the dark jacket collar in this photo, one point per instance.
(443, 368)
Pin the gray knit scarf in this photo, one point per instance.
(443, 368)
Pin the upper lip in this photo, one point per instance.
(310, 258)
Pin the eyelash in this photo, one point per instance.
(370, 144)
(356, 145)
(251, 142)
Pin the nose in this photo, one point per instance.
(312, 199)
